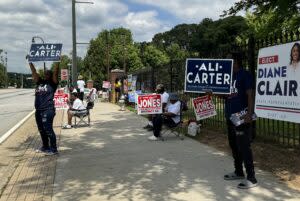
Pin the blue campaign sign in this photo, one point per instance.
(45, 52)
(131, 97)
(202, 75)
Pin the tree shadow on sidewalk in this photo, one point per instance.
(113, 160)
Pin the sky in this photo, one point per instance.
(20, 20)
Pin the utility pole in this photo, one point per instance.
(22, 81)
(6, 76)
(74, 52)
(107, 54)
(125, 53)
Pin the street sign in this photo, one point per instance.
(64, 74)
(204, 107)
(202, 75)
(149, 104)
(44, 52)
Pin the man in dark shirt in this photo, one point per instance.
(44, 105)
(239, 137)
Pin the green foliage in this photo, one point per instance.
(269, 17)
(153, 57)
(114, 49)
(203, 38)
(2, 76)
(175, 53)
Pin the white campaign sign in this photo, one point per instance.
(278, 83)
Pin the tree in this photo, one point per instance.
(2, 76)
(111, 49)
(269, 16)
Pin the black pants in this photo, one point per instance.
(158, 120)
(44, 121)
(81, 95)
(240, 143)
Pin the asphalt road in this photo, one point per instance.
(15, 104)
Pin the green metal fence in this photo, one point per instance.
(172, 76)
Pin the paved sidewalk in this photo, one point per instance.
(25, 174)
(113, 160)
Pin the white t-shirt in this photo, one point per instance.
(293, 71)
(80, 85)
(165, 97)
(175, 109)
(78, 105)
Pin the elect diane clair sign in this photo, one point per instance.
(203, 75)
(45, 52)
(278, 82)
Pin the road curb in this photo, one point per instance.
(13, 129)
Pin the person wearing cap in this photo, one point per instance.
(80, 87)
(170, 117)
(77, 106)
(160, 89)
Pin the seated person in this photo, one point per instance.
(77, 108)
(171, 117)
(160, 89)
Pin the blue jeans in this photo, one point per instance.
(44, 121)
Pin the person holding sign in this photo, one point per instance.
(239, 136)
(44, 105)
(170, 117)
(160, 89)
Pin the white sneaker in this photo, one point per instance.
(153, 138)
(67, 126)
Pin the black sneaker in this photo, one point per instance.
(233, 176)
(51, 153)
(148, 127)
(42, 150)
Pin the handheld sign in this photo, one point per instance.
(278, 83)
(106, 85)
(45, 52)
(60, 100)
(204, 107)
(149, 104)
(202, 75)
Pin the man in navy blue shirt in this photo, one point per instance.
(239, 137)
(44, 105)
(240, 99)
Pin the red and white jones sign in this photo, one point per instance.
(60, 100)
(149, 104)
(204, 107)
